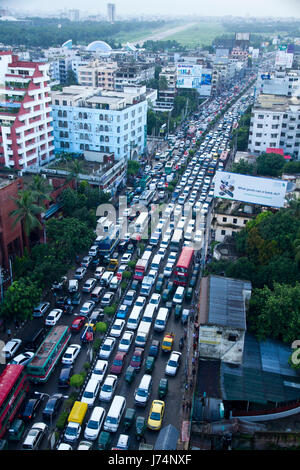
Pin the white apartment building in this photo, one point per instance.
(91, 119)
(275, 123)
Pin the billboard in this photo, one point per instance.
(192, 76)
(251, 189)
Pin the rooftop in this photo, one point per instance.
(276, 102)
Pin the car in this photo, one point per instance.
(117, 328)
(34, 436)
(10, 348)
(58, 285)
(154, 348)
(53, 317)
(156, 414)
(123, 442)
(78, 323)
(118, 363)
(41, 309)
(98, 272)
(61, 301)
(129, 297)
(76, 298)
(84, 445)
(162, 252)
(107, 347)
(94, 424)
(122, 311)
(193, 281)
(90, 392)
(172, 257)
(108, 388)
(120, 271)
(178, 296)
(89, 285)
(23, 358)
(80, 273)
(140, 301)
(159, 286)
(126, 258)
(107, 299)
(86, 261)
(71, 354)
(53, 404)
(126, 341)
(64, 446)
(188, 294)
(155, 300)
(99, 370)
(173, 363)
(30, 408)
(64, 377)
(137, 358)
(135, 284)
(87, 308)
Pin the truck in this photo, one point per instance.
(140, 269)
(147, 284)
(75, 420)
(73, 285)
(142, 334)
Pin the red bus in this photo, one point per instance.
(13, 388)
(183, 265)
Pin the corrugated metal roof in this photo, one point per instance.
(226, 302)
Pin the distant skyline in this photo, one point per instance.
(259, 8)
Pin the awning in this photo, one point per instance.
(167, 438)
(54, 208)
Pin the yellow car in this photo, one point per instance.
(167, 342)
(156, 415)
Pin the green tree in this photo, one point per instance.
(41, 189)
(20, 299)
(244, 168)
(270, 164)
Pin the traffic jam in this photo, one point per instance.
(136, 378)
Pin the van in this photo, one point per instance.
(32, 343)
(154, 239)
(96, 294)
(147, 255)
(114, 283)
(91, 391)
(143, 391)
(142, 334)
(188, 234)
(106, 278)
(134, 318)
(94, 424)
(149, 313)
(115, 413)
(156, 262)
(161, 319)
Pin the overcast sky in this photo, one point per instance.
(278, 8)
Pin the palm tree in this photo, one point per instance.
(76, 169)
(27, 213)
(40, 188)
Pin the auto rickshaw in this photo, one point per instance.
(129, 374)
(149, 364)
(140, 427)
(185, 316)
(129, 418)
(162, 388)
(167, 342)
(177, 311)
(104, 441)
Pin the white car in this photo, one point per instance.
(108, 388)
(155, 300)
(11, 348)
(162, 252)
(125, 341)
(123, 442)
(107, 347)
(53, 317)
(117, 328)
(80, 272)
(178, 296)
(99, 370)
(70, 354)
(34, 436)
(90, 392)
(87, 308)
(129, 297)
(107, 299)
(94, 424)
(98, 272)
(140, 301)
(168, 269)
(173, 363)
(126, 258)
(23, 359)
(89, 285)
(172, 257)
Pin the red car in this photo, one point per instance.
(78, 323)
(137, 358)
(118, 363)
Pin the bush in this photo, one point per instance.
(62, 419)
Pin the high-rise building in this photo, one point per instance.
(111, 12)
(25, 113)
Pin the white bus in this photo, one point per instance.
(141, 223)
(147, 196)
(177, 238)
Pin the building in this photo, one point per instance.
(166, 95)
(111, 12)
(88, 119)
(133, 74)
(222, 318)
(275, 123)
(98, 74)
(26, 137)
(11, 237)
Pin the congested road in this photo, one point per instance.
(194, 185)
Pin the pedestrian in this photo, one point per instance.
(9, 333)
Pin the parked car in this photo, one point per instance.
(71, 354)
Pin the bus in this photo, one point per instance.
(181, 270)
(140, 226)
(168, 168)
(48, 354)
(14, 386)
(147, 197)
(108, 244)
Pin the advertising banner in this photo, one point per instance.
(252, 189)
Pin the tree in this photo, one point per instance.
(244, 168)
(20, 299)
(270, 164)
(76, 380)
(27, 213)
(40, 188)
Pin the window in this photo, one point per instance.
(223, 232)
(260, 116)
(259, 126)
(258, 134)
(224, 219)
(235, 221)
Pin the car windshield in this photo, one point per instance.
(172, 363)
(93, 424)
(88, 394)
(117, 362)
(155, 416)
(106, 388)
(125, 341)
(141, 392)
